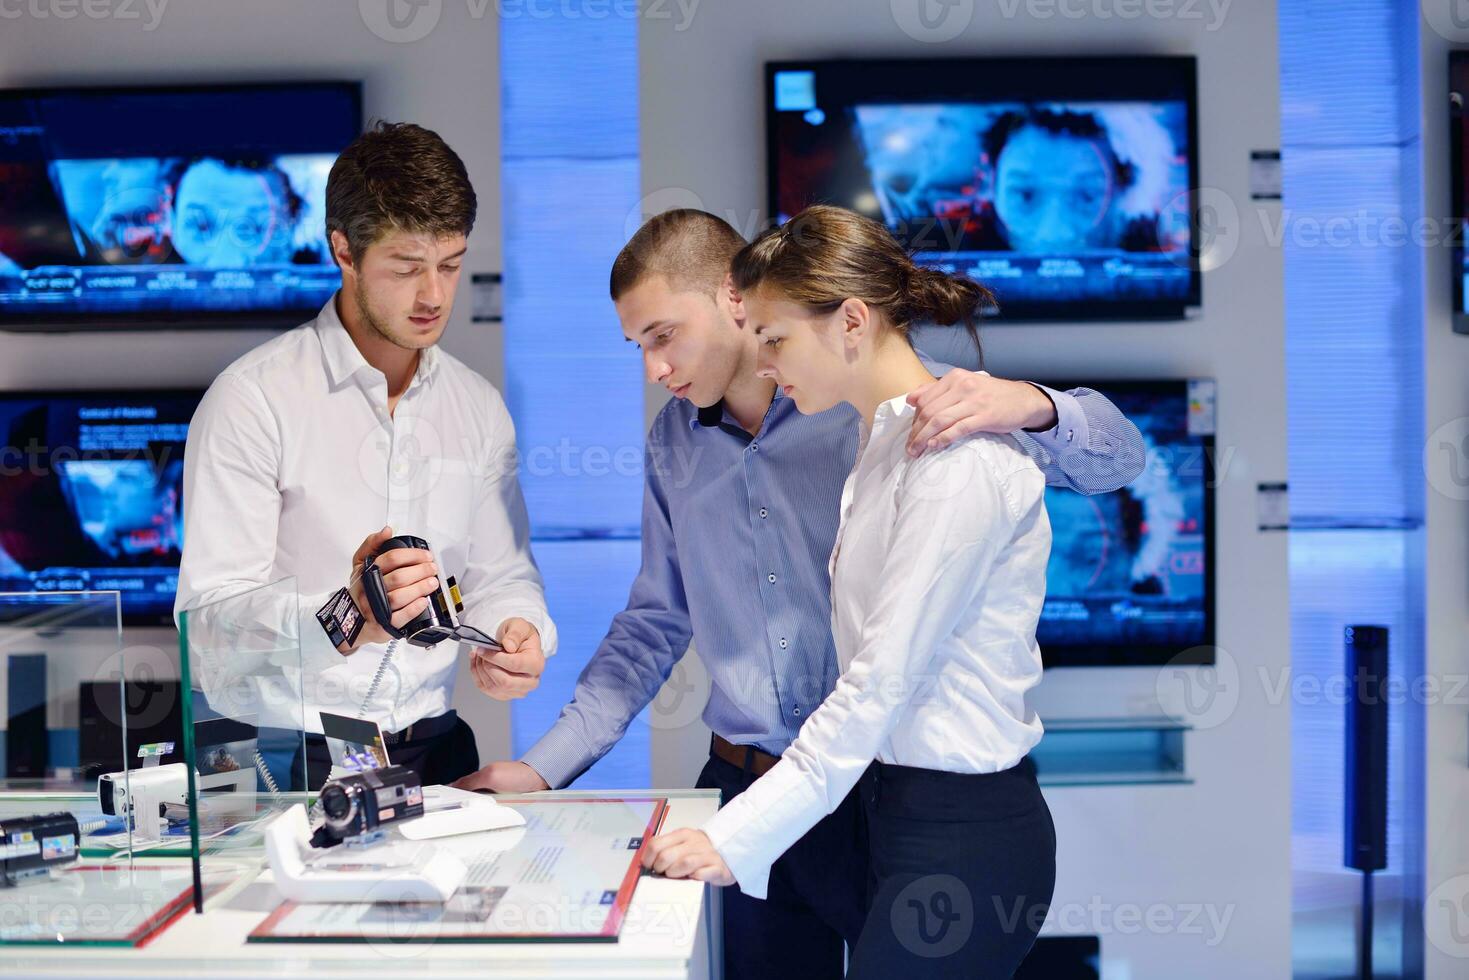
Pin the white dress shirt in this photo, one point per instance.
(937, 580)
(292, 460)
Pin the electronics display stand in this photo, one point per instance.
(149, 796)
(376, 866)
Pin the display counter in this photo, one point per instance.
(669, 930)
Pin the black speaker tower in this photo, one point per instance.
(1364, 835)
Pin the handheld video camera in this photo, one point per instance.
(440, 621)
(32, 846)
(154, 791)
(359, 804)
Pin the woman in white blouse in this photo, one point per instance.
(937, 581)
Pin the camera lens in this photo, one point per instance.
(337, 804)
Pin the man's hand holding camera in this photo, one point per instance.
(409, 577)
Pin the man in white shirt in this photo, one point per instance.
(353, 422)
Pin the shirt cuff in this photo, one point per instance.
(1071, 430)
(727, 831)
(559, 756)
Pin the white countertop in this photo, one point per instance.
(670, 932)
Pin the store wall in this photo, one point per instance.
(447, 80)
(1189, 880)
(1446, 424)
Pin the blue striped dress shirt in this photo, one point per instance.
(736, 535)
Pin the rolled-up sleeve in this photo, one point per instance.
(1093, 448)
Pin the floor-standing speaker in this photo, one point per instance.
(1364, 836)
(1366, 745)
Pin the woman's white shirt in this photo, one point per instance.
(937, 580)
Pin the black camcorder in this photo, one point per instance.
(360, 804)
(439, 622)
(32, 846)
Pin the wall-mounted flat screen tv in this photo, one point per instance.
(91, 494)
(1066, 185)
(179, 207)
(1131, 576)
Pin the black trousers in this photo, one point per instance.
(816, 899)
(438, 759)
(964, 867)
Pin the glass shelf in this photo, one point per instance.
(1127, 724)
(1125, 751)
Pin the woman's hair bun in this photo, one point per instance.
(944, 299)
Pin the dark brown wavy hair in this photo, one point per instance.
(398, 176)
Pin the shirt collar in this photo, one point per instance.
(708, 416)
(892, 413)
(344, 360)
(712, 416)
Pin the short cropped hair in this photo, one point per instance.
(691, 249)
(398, 177)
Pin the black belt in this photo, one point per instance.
(424, 728)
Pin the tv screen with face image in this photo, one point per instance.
(1131, 575)
(1064, 185)
(91, 494)
(146, 207)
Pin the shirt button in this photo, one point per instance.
(796, 711)
(772, 578)
(764, 513)
(783, 643)
(754, 447)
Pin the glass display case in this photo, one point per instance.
(93, 779)
(244, 729)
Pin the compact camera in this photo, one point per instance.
(363, 803)
(439, 622)
(32, 846)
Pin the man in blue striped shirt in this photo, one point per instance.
(740, 512)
